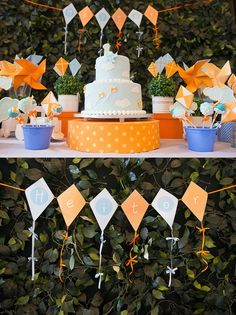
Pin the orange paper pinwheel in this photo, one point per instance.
(8, 69)
(29, 74)
(218, 76)
(194, 77)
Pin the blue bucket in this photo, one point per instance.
(201, 139)
(37, 137)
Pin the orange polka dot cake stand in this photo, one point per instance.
(109, 136)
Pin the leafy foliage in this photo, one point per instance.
(202, 31)
(146, 291)
(162, 86)
(68, 85)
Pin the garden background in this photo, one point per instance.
(145, 292)
(206, 30)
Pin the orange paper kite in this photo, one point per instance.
(194, 77)
(151, 14)
(119, 18)
(195, 198)
(171, 69)
(29, 74)
(61, 66)
(71, 202)
(134, 208)
(153, 69)
(85, 15)
(184, 97)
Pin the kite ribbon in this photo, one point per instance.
(32, 258)
(132, 259)
(81, 32)
(61, 265)
(118, 41)
(101, 37)
(99, 274)
(170, 270)
(156, 37)
(202, 252)
(65, 43)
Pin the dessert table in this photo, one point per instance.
(169, 148)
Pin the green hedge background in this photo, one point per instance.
(210, 293)
(206, 30)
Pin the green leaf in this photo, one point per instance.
(85, 163)
(190, 273)
(205, 288)
(163, 288)
(226, 181)
(93, 256)
(89, 232)
(25, 166)
(4, 215)
(194, 176)
(22, 300)
(33, 174)
(72, 262)
(197, 285)
(147, 186)
(76, 160)
(157, 294)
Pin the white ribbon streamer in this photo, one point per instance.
(32, 258)
(170, 270)
(99, 274)
(100, 48)
(65, 42)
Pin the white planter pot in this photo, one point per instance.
(69, 103)
(161, 105)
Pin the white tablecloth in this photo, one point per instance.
(170, 148)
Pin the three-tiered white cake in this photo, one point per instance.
(112, 93)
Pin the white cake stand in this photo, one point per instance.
(116, 117)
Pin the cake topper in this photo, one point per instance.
(106, 48)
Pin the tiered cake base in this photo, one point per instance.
(106, 136)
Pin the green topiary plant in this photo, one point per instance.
(162, 86)
(68, 85)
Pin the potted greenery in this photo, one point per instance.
(162, 90)
(68, 89)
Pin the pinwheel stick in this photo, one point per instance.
(189, 121)
(215, 116)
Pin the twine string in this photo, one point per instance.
(202, 253)
(132, 259)
(61, 265)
